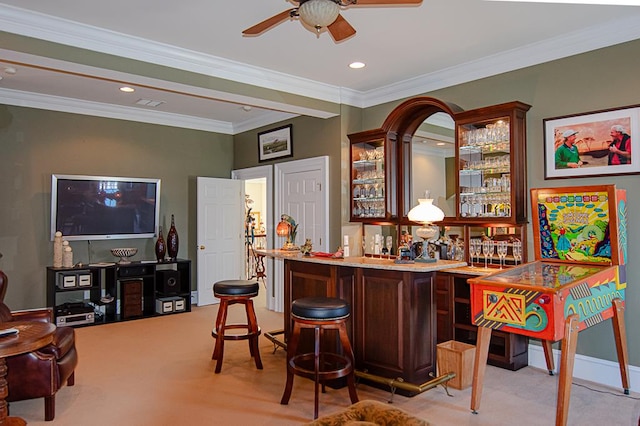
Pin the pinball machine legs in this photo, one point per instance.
(480, 366)
(620, 334)
(567, 359)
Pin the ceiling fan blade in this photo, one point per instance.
(268, 23)
(341, 29)
(383, 2)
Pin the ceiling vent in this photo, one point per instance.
(149, 103)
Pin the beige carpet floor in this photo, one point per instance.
(158, 371)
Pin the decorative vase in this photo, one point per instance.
(161, 246)
(57, 250)
(67, 257)
(172, 240)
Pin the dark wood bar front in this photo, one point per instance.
(393, 323)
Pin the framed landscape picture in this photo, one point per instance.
(275, 143)
(592, 144)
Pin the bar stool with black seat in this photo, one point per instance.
(320, 314)
(231, 292)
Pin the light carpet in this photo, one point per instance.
(158, 371)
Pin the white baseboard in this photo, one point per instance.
(588, 368)
(194, 297)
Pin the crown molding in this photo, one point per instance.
(76, 106)
(262, 120)
(70, 33)
(33, 24)
(581, 41)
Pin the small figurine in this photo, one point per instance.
(307, 247)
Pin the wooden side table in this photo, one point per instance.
(31, 336)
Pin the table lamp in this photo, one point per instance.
(288, 228)
(426, 213)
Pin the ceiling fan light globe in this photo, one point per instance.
(319, 13)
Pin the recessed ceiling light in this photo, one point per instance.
(246, 108)
(440, 144)
(127, 89)
(356, 65)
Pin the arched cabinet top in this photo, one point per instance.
(407, 117)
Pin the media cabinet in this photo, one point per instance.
(111, 292)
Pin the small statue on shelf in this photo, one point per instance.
(306, 247)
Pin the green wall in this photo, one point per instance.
(311, 137)
(37, 143)
(597, 80)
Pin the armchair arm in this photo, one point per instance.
(38, 314)
(32, 375)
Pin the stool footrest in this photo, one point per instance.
(326, 358)
(242, 336)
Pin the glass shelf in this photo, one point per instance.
(368, 186)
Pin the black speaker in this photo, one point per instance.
(168, 282)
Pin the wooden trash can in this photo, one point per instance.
(456, 357)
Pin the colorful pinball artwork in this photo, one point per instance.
(534, 299)
(578, 226)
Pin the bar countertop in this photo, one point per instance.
(364, 262)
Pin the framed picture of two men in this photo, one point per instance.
(596, 143)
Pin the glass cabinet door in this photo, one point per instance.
(368, 180)
(484, 162)
(491, 164)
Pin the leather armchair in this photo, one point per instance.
(40, 374)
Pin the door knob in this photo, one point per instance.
(201, 247)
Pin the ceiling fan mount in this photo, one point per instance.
(320, 14)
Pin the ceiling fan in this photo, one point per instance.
(322, 13)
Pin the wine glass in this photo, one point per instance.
(478, 244)
(517, 251)
(492, 247)
(502, 252)
(388, 243)
(473, 247)
(487, 250)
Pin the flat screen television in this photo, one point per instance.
(102, 208)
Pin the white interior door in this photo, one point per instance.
(302, 193)
(220, 234)
(265, 172)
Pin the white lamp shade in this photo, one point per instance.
(319, 13)
(425, 212)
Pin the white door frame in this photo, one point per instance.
(265, 172)
(281, 170)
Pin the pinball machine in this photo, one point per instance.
(578, 279)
